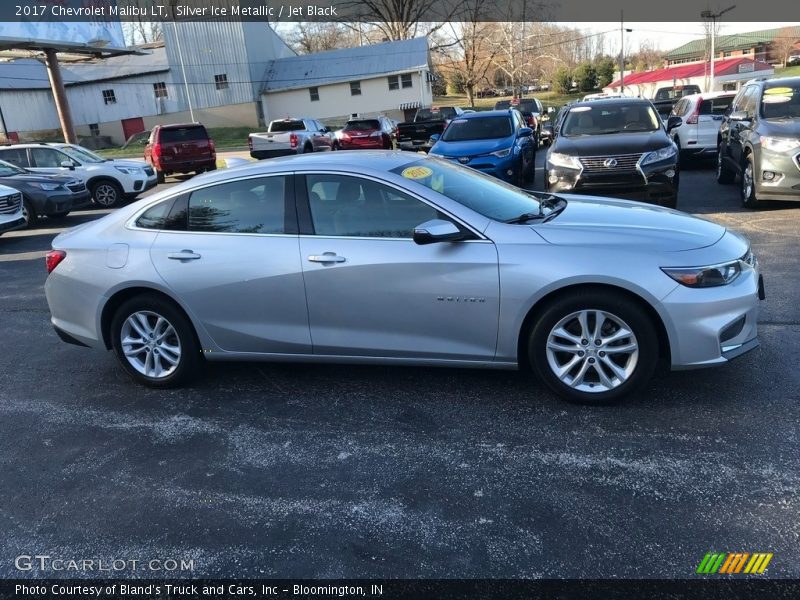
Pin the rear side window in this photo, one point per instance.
(362, 125)
(169, 215)
(16, 156)
(182, 134)
(245, 206)
(281, 126)
(715, 106)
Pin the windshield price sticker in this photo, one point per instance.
(416, 173)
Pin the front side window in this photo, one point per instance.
(353, 207)
(47, 157)
(355, 88)
(245, 206)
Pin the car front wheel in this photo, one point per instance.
(749, 199)
(594, 347)
(724, 173)
(155, 342)
(106, 193)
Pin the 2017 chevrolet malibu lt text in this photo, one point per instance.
(393, 258)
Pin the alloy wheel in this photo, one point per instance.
(592, 351)
(150, 344)
(747, 181)
(105, 194)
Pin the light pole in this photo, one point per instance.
(622, 31)
(707, 14)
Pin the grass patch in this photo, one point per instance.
(793, 71)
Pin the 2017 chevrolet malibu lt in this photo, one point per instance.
(614, 147)
(394, 258)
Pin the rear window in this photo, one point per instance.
(502, 105)
(362, 125)
(527, 107)
(182, 134)
(715, 106)
(433, 114)
(281, 126)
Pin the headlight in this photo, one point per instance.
(710, 276)
(564, 160)
(502, 153)
(658, 155)
(777, 144)
(48, 187)
(129, 170)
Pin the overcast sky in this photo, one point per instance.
(666, 36)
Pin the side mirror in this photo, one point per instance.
(435, 138)
(739, 115)
(436, 230)
(673, 122)
(524, 132)
(68, 164)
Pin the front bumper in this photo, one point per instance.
(51, 203)
(656, 183)
(785, 168)
(502, 168)
(6, 226)
(712, 326)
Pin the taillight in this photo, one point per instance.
(213, 147)
(694, 117)
(157, 150)
(250, 143)
(293, 140)
(53, 258)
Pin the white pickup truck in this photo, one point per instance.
(291, 136)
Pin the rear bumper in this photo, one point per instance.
(414, 145)
(184, 166)
(51, 203)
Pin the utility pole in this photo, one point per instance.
(622, 31)
(180, 59)
(707, 14)
(60, 96)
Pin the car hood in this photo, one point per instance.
(606, 221)
(471, 147)
(611, 143)
(125, 163)
(781, 127)
(35, 178)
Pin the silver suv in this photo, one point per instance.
(759, 140)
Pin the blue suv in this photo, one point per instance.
(496, 142)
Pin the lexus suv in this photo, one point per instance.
(614, 147)
(759, 140)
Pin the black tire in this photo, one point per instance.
(531, 172)
(59, 215)
(683, 160)
(160, 176)
(29, 213)
(518, 175)
(725, 175)
(189, 361)
(106, 193)
(308, 148)
(748, 188)
(624, 310)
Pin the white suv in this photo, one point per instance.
(702, 115)
(11, 216)
(108, 180)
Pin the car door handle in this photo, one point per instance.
(183, 255)
(327, 257)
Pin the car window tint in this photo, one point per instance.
(47, 157)
(245, 206)
(715, 106)
(354, 207)
(182, 134)
(781, 100)
(281, 126)
(749, 100)
(367, 125)
(16, 156)
(156, 216)
(479, 128)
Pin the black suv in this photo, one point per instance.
(614, 147)
(759, 140)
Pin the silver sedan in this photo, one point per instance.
(395, 258)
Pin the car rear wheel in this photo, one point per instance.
(106, 193)
(29, 213)
(724, 173)
(749, 199)
(160, 176)
(155, 342)
(594, 347)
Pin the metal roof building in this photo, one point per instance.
(754, 44)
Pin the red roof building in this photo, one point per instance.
(729, 74)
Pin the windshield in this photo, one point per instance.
(782, 101)
(481, 128)
(610, 118)
(81, 154)
(7, 169)
(362, 125)
(486, 195)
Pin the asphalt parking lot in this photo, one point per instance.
(338, 471)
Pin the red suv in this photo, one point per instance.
(180, 149)
(375, 133)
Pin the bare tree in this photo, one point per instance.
(307, 38)
(784, 43)
(403, 19)
(647, 57)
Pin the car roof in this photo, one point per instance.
(487, 113)
(180, 125)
